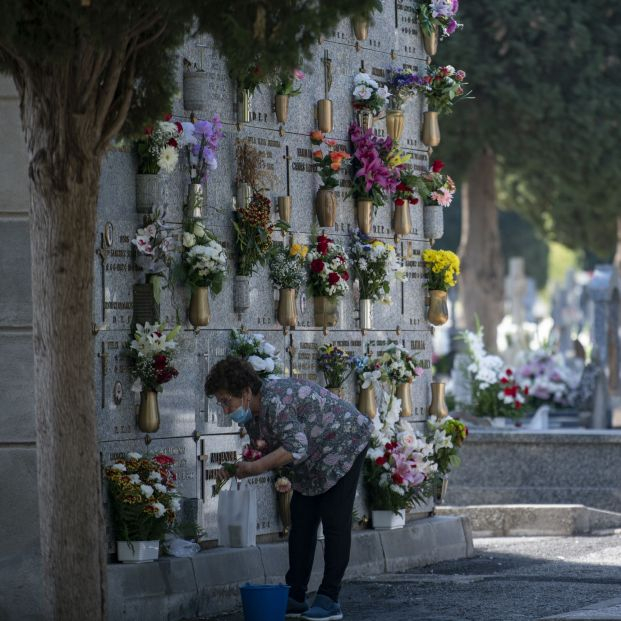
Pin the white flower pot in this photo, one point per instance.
(137, 551)
(499, 421)
(387, 520)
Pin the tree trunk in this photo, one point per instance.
(481, 285)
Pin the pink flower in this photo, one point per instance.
(298, 74)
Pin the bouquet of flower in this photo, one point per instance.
(285, 82)
(152, 351)
(440, 14)
(400, 365)
(441, 268)
(442, 87)
(335, 364)
(434, 187)
(201, 140)
(287, 266)
(374, 175)
(329, 164)
(143, 496)
(405, 188)
(250, 453)
(369, 371)
(155, 247)
(204, 258)
(368, 94)
(258, 352)
(328, 274)
(402, 85)
(374, 262)
(446, 435)
(158, 149)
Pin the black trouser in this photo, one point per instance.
(334, 509)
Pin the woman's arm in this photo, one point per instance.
(271, 461)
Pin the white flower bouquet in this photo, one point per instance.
(203, 259)
(368, 94)
(258, 352)
(158, 149)
(401, 367)
(154, 246)
(287, 267)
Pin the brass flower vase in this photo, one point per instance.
(148, 412)
(430, 42)
(244, 194)
(361, 28)
(284, 208)
(437, 407)
(200, 313)
(438, 308)
(402, 222)
(325, 207)
(364, 118)
(366, 314)
(196, 199)
(339, 391)
(244, 97)
(366, 402)
(283, 500)
(404, 393)
(364, 212)
(431, 129)
(281, 105)
(325, 312)
(433, 221)
(287, 315)
(241, 293)
(324, 115)
(395, 122)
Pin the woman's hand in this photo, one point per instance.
(246, 469)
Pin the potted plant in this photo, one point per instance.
(144, 502)
(374, 264)
(369, 374)
(204, 265)
(402, 84)
(151, 352)
(441, 268)
(285, 85)
(328, 279)
(258, 352)
(336, 365)
(288, 272)
(401, 369)
(442, 87)
(436, 19)
(157, 150)
(328, 166)
(374, 175)
(369, 99)
(436, 191)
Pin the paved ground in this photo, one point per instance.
(510, 579)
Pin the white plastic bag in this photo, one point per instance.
(181, 547)
(237, 516)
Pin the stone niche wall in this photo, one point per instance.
(192, 430)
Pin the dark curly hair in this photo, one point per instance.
(232, 375)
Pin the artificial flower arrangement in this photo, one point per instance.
(335, 364)
(201, 140)
(329, 163)
(370, 372)
(446, 435)
(443, 87)
(286, 82)
(327, 262)
(152, 352)
(405, 188)
(203, 258)
(374, 263)
(258, 352)
(143, 496)
(435, 188)
(402, 84)
(438, 14)
(441, 269)
(368, 94)
(400, 366)
(288, 267)
(158, 148)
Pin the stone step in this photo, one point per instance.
(535, 520)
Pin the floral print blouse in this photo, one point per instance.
(323, 433)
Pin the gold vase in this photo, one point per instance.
(395, 122)
(361, 28)
(287, 315)
(324, 115)
(366, 402)
(244, 194)
(148, 412)
(437, 407)
(438, 308)
(282, 108)
(364, 118)
(325, 207)
(402, 223)
(339, 391)
(364, 211)
(366, 314)
(196, 199)
(244, 97)
(283, 500)
(431, 129)
(325, 312)
(200, 313)
(430, 42)
(284, 208)
(404, 392)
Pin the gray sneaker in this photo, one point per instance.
(295, 609)
(323, 609)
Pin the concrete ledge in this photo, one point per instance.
(208, 583)
(609, 610)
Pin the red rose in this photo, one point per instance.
(179, 127)
(504, 380)
(159, 361)
(525, 390)
(437, 166)
(333, 278)
(345, 276)
(163, 460)
(413, 201)
(168, 117)
(397, 478)
(509, 372)
(403, 188)
(518, 405)
(317, 266)
(380, 461)
(172, 142)
(399, 202)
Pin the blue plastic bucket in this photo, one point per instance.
(264, 602)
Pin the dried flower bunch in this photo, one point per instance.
(250, 166)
